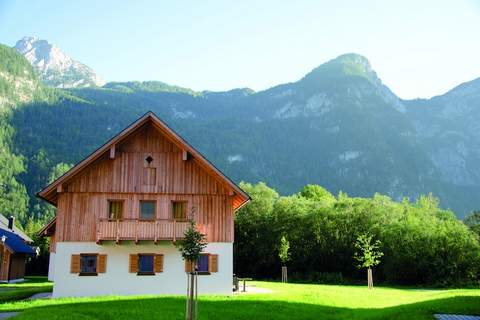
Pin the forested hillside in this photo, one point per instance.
(339, 126)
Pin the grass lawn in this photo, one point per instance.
(22, 290)
(286, 301)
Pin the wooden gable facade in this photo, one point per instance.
(145, 162)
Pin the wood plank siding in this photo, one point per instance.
(144, 166)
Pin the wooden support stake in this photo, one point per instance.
(174, 231)
(118, 232)
(136, 232)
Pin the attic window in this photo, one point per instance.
(149, 159)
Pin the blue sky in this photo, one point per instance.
(418, 48)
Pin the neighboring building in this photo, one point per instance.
(14, 251)
(120, 210)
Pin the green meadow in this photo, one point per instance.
(284, 301)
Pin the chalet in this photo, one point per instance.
(121, 209)
(14, 250)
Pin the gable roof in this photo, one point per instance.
(49, 193)
(21, 234)
(15, 243)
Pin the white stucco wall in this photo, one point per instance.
(118, 281)
(51, 266)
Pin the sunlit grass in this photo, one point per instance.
(286, 301)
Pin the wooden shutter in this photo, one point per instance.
(102, 263)
(133, 265)
(75, 263)
(158, 263)
(213, 263)
(188, 266)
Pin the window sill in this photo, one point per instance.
(88, 274)
(145, 273)
(203, 273)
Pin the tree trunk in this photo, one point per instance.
(370, 278)
(191, 305)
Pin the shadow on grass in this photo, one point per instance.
(231, 308)
(23, 290)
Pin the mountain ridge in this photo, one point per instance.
(341, 129)
(55, 68)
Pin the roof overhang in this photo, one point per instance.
(50, 192)
(48, 229)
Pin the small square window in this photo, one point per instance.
(179, 210)
(115, 209)
(147, 210)
(202, 264)
(149, 176)
(88, 264)
(145, 264)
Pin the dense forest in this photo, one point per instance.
(422, 244)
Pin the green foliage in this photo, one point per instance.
(318, 194)
(193, 243)
(284, 250)
(473, 221)
(58, 171)
(368, 253)
(422, 244)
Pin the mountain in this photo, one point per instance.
(339, 126)
(55, 68)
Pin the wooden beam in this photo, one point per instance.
(59, 188)
(185, 155)
(112, 151)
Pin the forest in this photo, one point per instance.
(422, 243)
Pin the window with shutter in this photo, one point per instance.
(88, 264)
(179, 210)
(188, 266)
(75, 263)
(115, 209)
(133, 263)
(102, 263)
(145, 264)
(202, 264)
(213, 263)
(147, 210)
(158, 263)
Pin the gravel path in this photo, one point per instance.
(456, 317)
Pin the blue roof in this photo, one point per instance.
(15, 243)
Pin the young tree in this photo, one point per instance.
(190, 247)
(368, 254)
(284, 255)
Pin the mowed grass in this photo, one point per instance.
(286, 301)
(22, 290)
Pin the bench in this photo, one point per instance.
(244, 283)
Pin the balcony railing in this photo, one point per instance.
(137, 230)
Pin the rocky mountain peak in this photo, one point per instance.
(56, 68)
